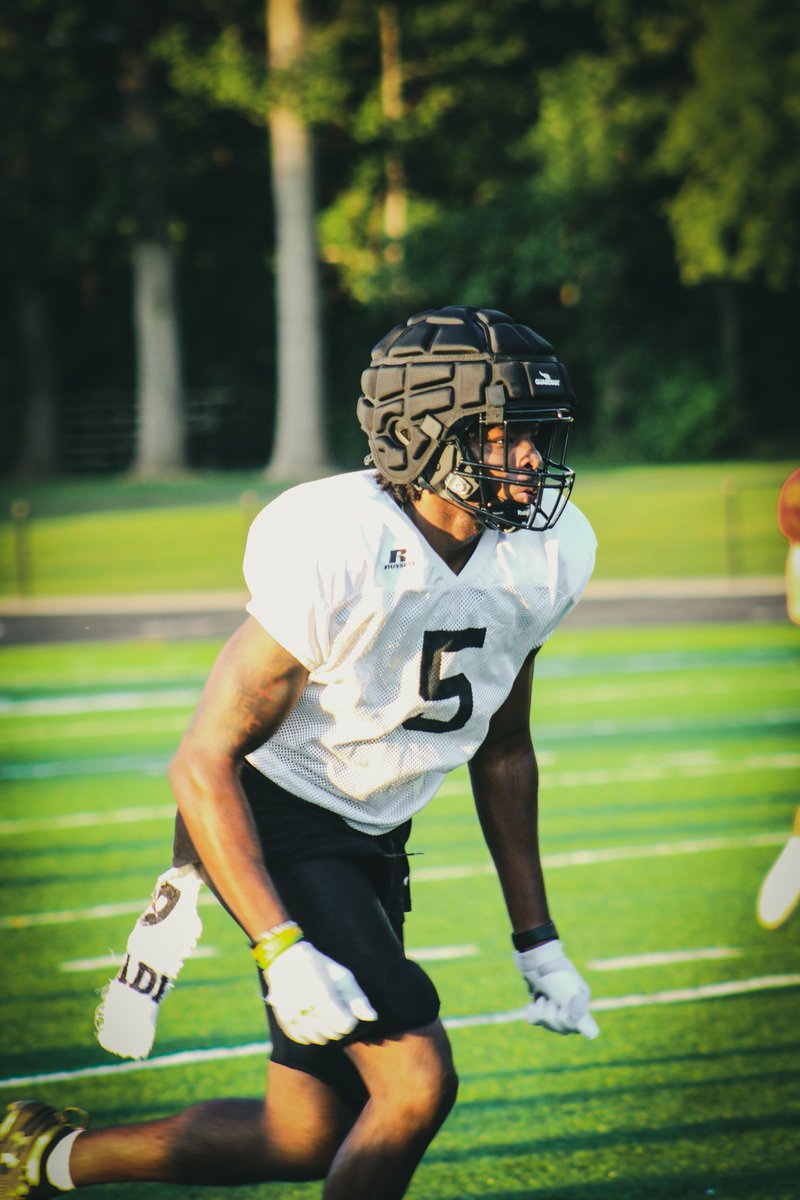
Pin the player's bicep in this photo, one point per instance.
(252, 688)
(512, 722)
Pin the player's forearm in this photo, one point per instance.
(505, 787)
(213, 805)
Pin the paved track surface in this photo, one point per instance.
(217, 614)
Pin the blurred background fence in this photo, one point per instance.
(225, 428)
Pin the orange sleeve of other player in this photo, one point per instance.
(789, 524)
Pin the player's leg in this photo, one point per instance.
(779, 893)
(412, 1087)
(403, 1060)
(294, 1134)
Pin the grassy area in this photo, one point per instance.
(119, 537)
(670, 775)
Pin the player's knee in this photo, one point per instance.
(416, 1088)
(443, 1090)
(427, 1090)
(426, 1087)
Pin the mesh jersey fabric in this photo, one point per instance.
(407, 661)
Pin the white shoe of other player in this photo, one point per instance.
(780, 891)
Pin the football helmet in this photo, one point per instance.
(436, 386)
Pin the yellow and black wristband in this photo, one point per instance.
(274, 941)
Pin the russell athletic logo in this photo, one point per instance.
(397, 559)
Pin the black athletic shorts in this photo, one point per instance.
(349, 892)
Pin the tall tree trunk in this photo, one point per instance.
(300, 444)
(394, 205)
(160, 426)
(39, 446)
(160, 441)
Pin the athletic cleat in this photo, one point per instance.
(28, 1133)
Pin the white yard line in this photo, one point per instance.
(129, 700)
(575, 858)
(58, 706)
(125, 764)
(441, 953)
(693, 765)
(698, 684)
(584, 858)
(111, 724)
(639, 726)
(626, 962)
(110, 962)
(95, 912)
(705, 991)
(710, 991)
(87, 820)
(546, 735)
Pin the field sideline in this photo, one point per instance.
(99, 537)
(670, 775)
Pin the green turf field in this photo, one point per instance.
(670, 775)
(118, 536)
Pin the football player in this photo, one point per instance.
(779, 894)
(394, 619)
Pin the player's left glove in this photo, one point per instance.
(315, 1000)
(559, 995)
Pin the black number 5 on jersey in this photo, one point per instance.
(435, 642)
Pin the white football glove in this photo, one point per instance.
(560, 996)
(315, 1000)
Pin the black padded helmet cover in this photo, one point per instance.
(444, 366)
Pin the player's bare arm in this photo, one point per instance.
(254, 684)
(505, 784)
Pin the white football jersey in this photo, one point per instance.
(407, 661)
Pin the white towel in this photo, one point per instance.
(162, 938)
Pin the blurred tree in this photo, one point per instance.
(37, 199)
(732, 144)
(551, 150)
(300, 442)
(395, 206)
(621, 173)
(77, 78)
(160, 443)
(284, 86)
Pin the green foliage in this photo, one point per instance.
(594, 166)
(618, 130)
(225, 72)
(733, 145)
(587, 128)
(666, 417)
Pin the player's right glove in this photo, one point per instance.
(559, 994)
(315, 1000)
